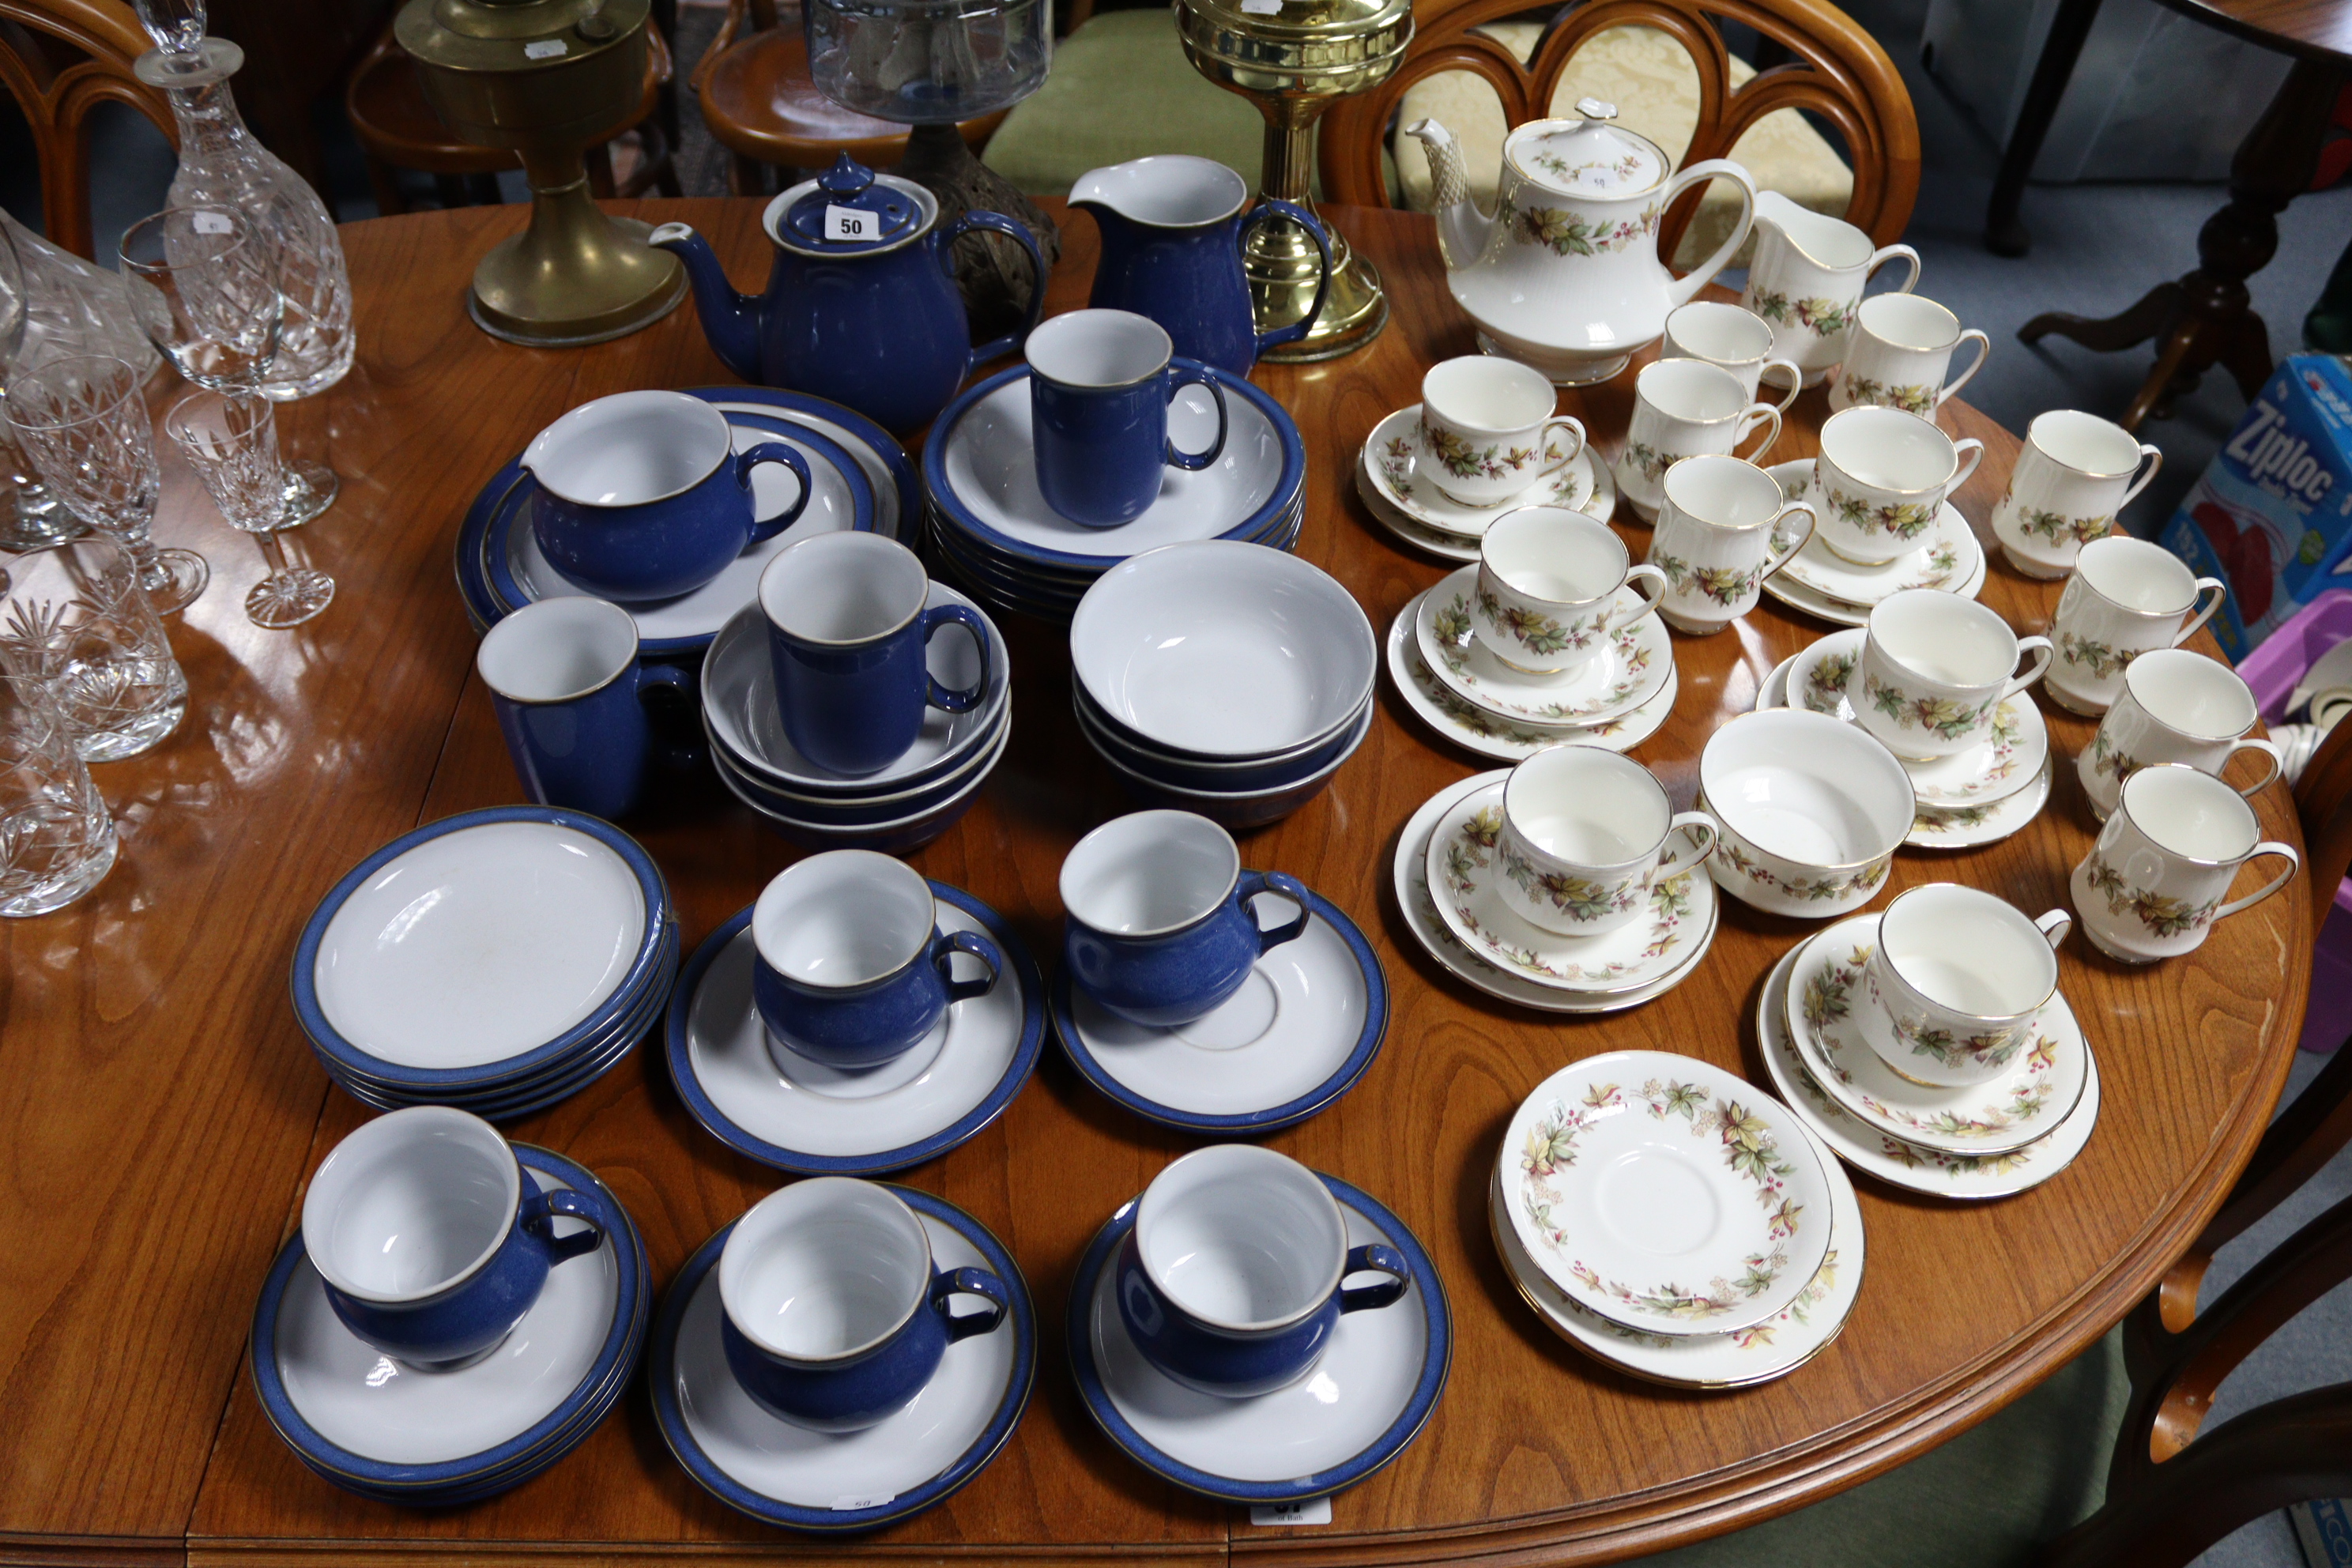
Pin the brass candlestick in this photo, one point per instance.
(549, 79)
(1292, 58)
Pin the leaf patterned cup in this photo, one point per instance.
(1685, 409)
(1901, 354)
(2176, 706)
(2075, 472)
(2154, 883)
(1957, 982)
(1715, 540)
(2126, 597)
(1584, 839)
(1881, 478)
(1934, 666)
(1547, 594)
(1487, 430)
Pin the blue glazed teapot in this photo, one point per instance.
(861, 305)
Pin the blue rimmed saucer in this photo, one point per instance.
(1366, 1400)
(433, 1439)
(1305, 1025)
(821, 1121)
(837, 1483)
(898, 488)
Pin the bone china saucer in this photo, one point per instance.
(1943, 558)
(2016, 744)
(1630, 669)
(2041, 1089)
(1666, 1194)
(1986, 822)
(1392, 457)
(1490, 735)
(1967, 582)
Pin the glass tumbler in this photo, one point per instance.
(230, 438)
(56, 839)
(75, 621)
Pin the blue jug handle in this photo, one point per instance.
(996, 347)
(1271, 207)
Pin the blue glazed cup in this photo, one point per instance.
(1229, 1281)
(852, 969)
(1099, 386)
(642, 496)
(569, 690)
(835, 1316)
(1157, 926)
(847, 639)
(433, 1240)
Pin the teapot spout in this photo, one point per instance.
(729, 320)
(1462, 229)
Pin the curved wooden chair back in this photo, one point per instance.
(59, 59)
(1831, 68)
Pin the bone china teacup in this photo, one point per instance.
(1585, 837)
(2075, 472)
(1546, 591)
(1714, 540)
(835, 1315)
(1934, 666)
(1487, 429)
(2154, 883)
(1739, 341)
(2126, 597)
(2176, 706)
(1900, 354)
(1683, 408)
(1956, 979)
(432, 1241)
(1881, 478)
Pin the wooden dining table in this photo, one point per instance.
(160, 1108)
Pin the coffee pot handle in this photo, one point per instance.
(2155, 461)
(2019, 683)
(1774, 561)
(971, 945)
(786, 457)
(2212, 591)
(1252, 883)
(996, 347)
(2054, 925)
(1886, 254)
(1272, 208)
(1375, 1259)
(1679, 290)
(2267, 847)
(1984, 353)
(1752, 418)
(977, 1282)
(2278, 762)
(1182, 373)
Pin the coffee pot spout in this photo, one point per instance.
(1462, 229)
(729, 320)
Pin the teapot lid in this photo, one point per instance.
(848, 211)
(1590, 156)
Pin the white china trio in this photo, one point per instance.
(849, 1352)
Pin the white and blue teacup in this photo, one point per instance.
(1099, 386)
(433, 1240)
(569, 690)
(1230, 1279)
(846, 637)
(852, 969)
(642, 496)
(1157, 926)
(836, 1316)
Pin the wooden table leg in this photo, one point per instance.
(2005, 233)
(2206, 318)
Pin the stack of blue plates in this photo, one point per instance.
(991, 525)
(908, 803)
(498, 961)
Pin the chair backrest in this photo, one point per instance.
(59, 59)
(1828, 66)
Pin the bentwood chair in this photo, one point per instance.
(59, 59)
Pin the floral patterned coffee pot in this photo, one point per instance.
(1565, 275)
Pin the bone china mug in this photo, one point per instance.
(569, 690)
(1714, 541)
(1934, 666)
(1487, 429)
(1958, 980)
(2075, 472)
(642, 496)
(2126, 597)
(1881, 478)
(1099, 386)
(1230, 1281)
(851, 967)
(846, 635)
(432, 1241)
(1684, 408)
(1584, 839)
(1546, 591)
(833, 1314)
(1159, 928)
(2154, 883)
(1900, 354)
(1739, 341)
(2176, 706)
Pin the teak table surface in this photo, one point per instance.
(162, 1109)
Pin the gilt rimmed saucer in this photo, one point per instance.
(1364, 1402)
(2015, 746)
(1795, 480)
(1409, 878)
(1392, 456)
(818, 1121)
(1476, 730)
(1827, 994)
(1664, 1194)
(1774, 690)
(1986, 822)
(1757, 1353)
(1943, 558)
(832, 1483)
(1629, 668)
(1462, 873)
(1891, 1160)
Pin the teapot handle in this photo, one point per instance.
(997, 347)
(1679, 292)
(1270, 208)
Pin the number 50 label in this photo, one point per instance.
(848, 222)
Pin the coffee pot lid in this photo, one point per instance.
(1590, 156)
(850, 211)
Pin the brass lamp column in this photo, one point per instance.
(1292, 57)
(547, 79)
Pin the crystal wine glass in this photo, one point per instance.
(56, 841)
(231, 440)
(30, 517)
(84, 425)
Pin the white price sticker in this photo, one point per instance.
(1314, 1510)
(855, 1502)
(210, 223)
(1261, 7)
(544, 49)
(849, 223)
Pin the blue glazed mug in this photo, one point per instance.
(851, 968)
(1230, 1279)
(1099, 386)
(835, 1315)
(569, 690)
(642, 496)
(847, 639)
(433, 1240)
(1159, 928)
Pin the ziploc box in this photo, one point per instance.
(2273, 514)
